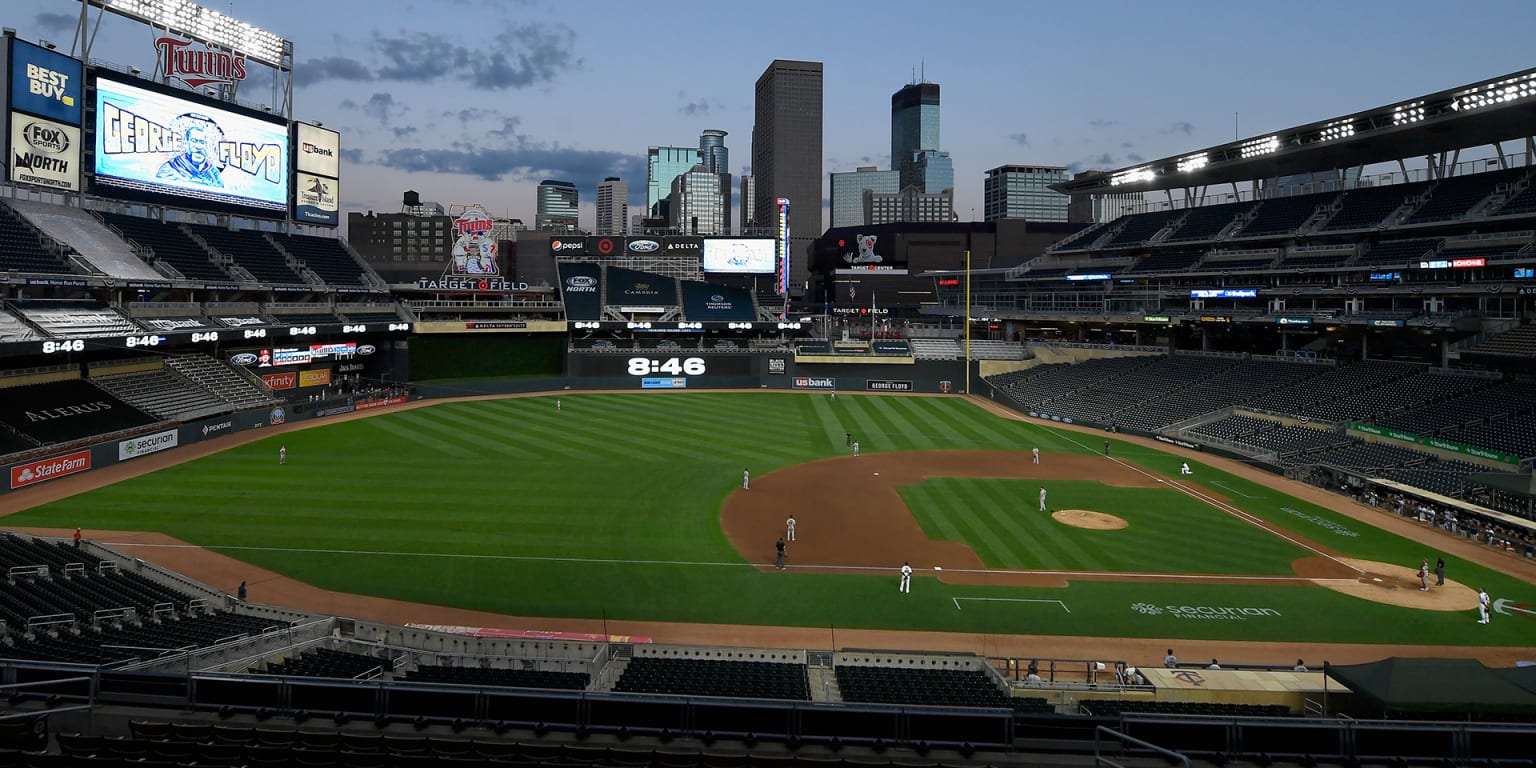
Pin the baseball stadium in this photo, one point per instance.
(1240, 475)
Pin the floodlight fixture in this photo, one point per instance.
(1258, 147)
(1339, 129)
(1411, 112)
(204, 24)
(1132, 176)
(1502, 92)
(1192, 163)
(49, 44)
(135, 71)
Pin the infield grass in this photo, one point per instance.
(610, 507)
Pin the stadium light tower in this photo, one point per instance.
(204, 25)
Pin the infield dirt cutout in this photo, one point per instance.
(1087, 518)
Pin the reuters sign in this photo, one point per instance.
(43, 470)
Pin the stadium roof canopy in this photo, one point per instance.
(1482, 113)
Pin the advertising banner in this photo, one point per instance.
(45, 153)
(814, 382)
(316, 378)
(1434, 442)
(316, 200)
(663, 383)
(276, 381)
(149, 141)
(144, 445)
(316, 150)
(579, 289)
(888, 385)
(46, 83)
(604, 246)
(756, 256)
(641, 291)
(43, 470)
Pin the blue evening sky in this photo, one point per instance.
(475, 101)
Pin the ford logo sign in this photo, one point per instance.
(644, 246)
(581, 281)
(366, 349)
(244, 358)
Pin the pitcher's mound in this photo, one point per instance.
(1084, 518)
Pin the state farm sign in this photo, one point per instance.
(43, 470)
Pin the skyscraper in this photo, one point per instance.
(557, 206)
(612, 206)
(713, 153)
(662, 165)
(914, 128)
(1023, 192)
(700, 203)
(848, 193)
(786, 153)
(748, 214)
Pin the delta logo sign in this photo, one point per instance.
(198, 65)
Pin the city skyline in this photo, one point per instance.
(549, 91)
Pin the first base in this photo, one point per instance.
(877, 474)
(937, 568)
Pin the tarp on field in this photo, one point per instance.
(1434, 685)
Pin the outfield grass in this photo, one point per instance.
(611, 507)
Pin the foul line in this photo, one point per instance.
(1010, 600)
(1236, 491)
(1126, 575)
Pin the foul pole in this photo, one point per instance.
(967, 321)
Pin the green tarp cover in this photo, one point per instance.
(1435, 685)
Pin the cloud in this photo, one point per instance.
(55, 23)
(508, 129)
(698, 108)
(380, 106)
(538, 53)
(1135, 158)
(1102, 123)
(1126, 145)
(470, 115)
(527, 162)
(331, 68)
(1181, 126)
(354, 156)
(404, 131)
(1021, 138)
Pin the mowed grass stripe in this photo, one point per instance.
(705, 431)
(1018, 503)
(500, 432)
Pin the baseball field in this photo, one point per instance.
(631, 507)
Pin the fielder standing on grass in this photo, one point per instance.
(282, 455)
(746, 480)
(1042, 498)
(1482, 606)
(906, 578)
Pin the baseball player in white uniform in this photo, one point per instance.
(1482, 606)
(282, 455)
(746, 480)
(1036, 453)
(1184, 470)
(1042, 499)
(790, 524)
(906, 578)
(855, 447)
